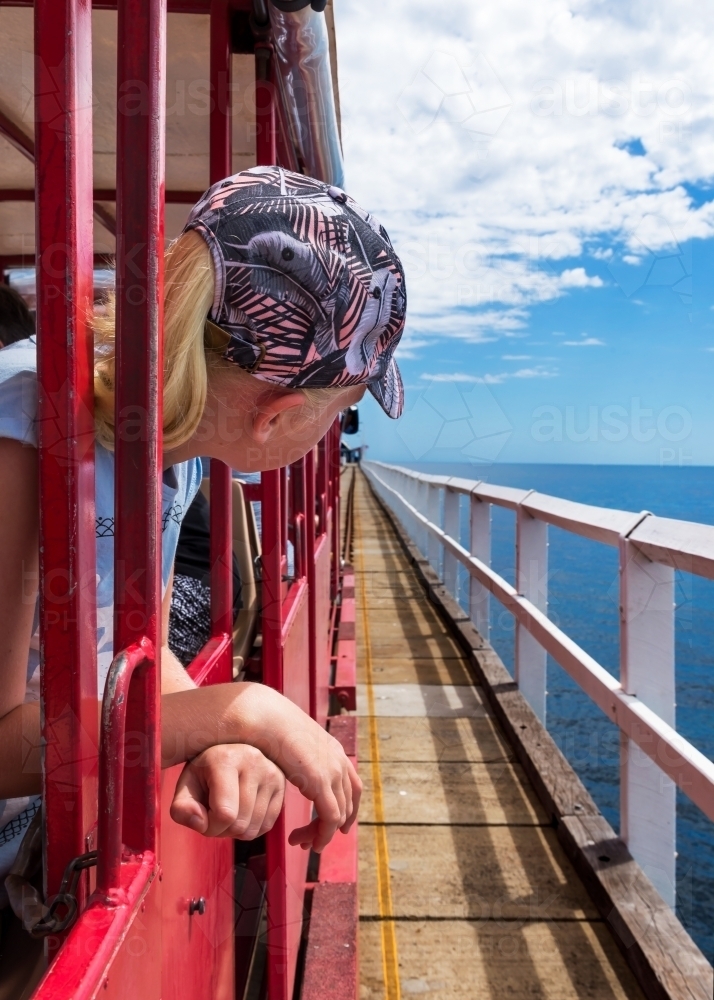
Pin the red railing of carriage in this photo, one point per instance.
(135, 935)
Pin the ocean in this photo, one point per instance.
(583, 601)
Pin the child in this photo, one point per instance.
(283, 301)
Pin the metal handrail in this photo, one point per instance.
(111, 763)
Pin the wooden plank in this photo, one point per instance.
(474, 873)
(417, 670)
(404, 613)
(423, 646)
(445, 701)
(683, 544)
(434, 739)
(665, 959)
(602, 524)
(499, 960)
(468, 792)
(407, 621)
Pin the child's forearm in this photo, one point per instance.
(195, 719)
(257, 715)
(20, 761)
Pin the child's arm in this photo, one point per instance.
(256, 715)
(19, 723)
(195, 719)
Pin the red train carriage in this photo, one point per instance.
(143, 907)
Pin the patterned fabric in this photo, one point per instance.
(190, 617)
(20, 823)
(309, 290)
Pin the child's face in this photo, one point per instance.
(274, 429)
(296, 430)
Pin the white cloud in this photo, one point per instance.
(577, 278)
(539, 371)
(492, 147)
(585, 342)
(515, 357)
(450, 377)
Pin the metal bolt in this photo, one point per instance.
(197, 906)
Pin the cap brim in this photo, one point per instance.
(389, 391)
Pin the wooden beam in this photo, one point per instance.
(22, 142)
(174, 6)
(28, 260)
(175, 197)
(25, 144)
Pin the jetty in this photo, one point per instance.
(485, 867)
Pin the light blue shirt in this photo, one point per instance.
(18, 420)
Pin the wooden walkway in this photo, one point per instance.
(464, 888)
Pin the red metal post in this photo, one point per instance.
(63, 130)
(272, 583)
(265, 113)
(284, 522)
(138, 456)
(311, 576)
(321, 486)
(221, 495)
(333, 453)
(297, 516)
(273, 538)
(272, 627)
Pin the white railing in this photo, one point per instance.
(654, 758)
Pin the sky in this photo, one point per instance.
(546, 173)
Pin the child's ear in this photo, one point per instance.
(266, 416)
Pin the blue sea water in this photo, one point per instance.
(583, 601)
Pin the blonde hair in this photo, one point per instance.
(188, 296)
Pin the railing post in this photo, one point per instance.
(65, 362)
(647, 795)
(432, 513)
(221, 510)
(421, 504)
(452, 528)
(141, 62)
(532, 583)
(481, 549)
(413, 498)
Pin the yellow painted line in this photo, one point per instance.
(390, 961)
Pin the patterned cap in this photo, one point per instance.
(309, 290)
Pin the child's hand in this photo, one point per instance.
(313, 761)
(317, 764)
(229, 791)
(255, 714)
